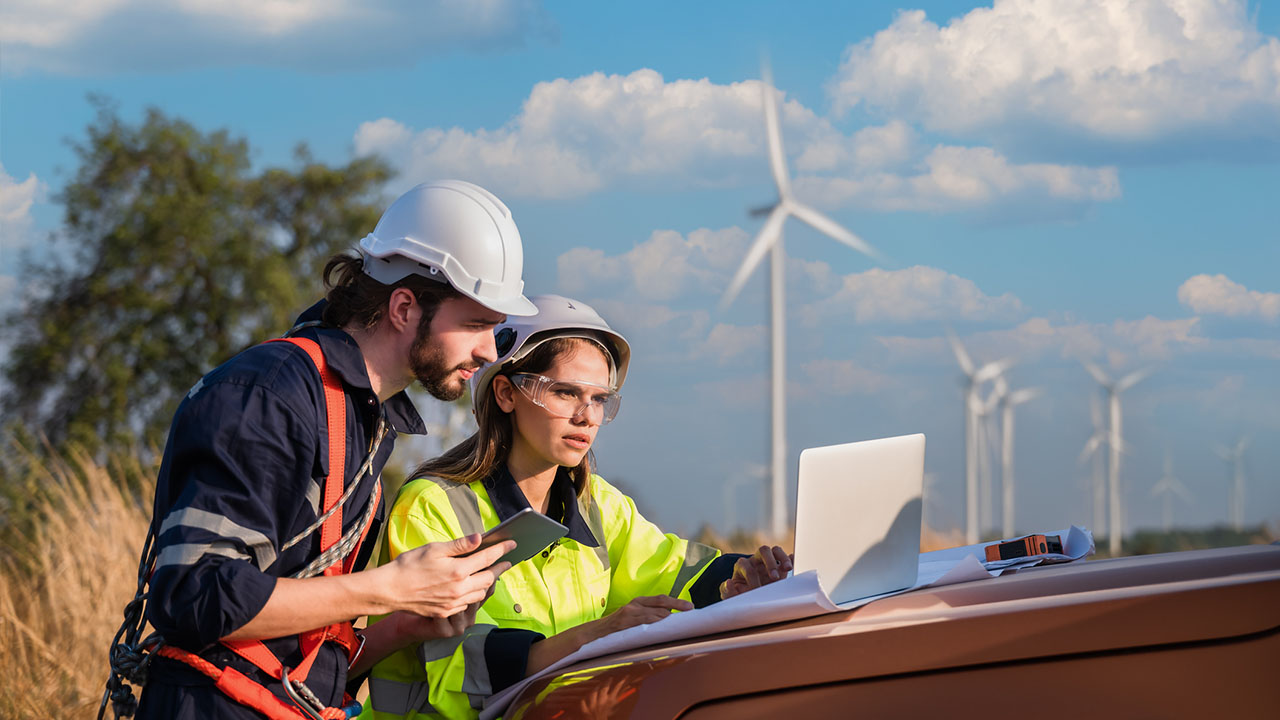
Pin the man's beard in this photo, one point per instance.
(430, 367)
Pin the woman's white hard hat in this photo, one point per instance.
(454, 232)
(558, 317)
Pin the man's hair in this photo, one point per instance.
(355, 299)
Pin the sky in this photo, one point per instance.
(1066, 182)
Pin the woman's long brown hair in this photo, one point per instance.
(479, 455)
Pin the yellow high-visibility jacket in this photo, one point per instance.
(575, 580)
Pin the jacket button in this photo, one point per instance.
(601, 602)
(371, 401)
(517, 608)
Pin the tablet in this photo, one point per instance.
(531, 530)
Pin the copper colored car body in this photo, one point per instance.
(1187, 634)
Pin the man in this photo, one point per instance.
(249, 567)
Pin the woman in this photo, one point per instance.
(538, 409)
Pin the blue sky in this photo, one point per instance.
(1057, 181)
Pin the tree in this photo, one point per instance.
(173, 256)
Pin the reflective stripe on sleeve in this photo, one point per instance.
(465, 504)
(476, 682)
(432, 650)
(263, 551)
(313, 497)
(188, 553)
(399, 698)
(696, 557)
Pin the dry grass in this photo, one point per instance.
(63, 587)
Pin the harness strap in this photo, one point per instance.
(335, 403)
(234, 683)
(240, 688)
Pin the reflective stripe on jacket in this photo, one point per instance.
(568, 584)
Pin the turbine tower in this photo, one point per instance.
(974, 378)
(1090, 451)
(1235, 491)
(769, 240)
(1116, 442)
(1168, 487)
(1008, 401)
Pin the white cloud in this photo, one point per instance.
(1115, 69)
(665, 266)
(574, 137)
(911, 295)
(1218, 295)
(725, 343)
(950, 178)
(668, 267)
(1152, 337)
(92, 36)
(1122, 343)
(828, 377)
(16, 199)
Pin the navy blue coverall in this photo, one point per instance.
(243, 472)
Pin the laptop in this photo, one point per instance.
(858, 510)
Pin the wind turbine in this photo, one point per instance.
(1235, 492)
(1097, 440)
(1008, 401)
(974, 378)
(1169, 487)
(769, 240)
(987, 438)
(1113, 390)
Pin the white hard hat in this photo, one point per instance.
(451, 231)
(558, 317)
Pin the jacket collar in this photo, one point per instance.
(508, 499)
(342, 354)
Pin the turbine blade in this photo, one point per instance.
(1097, 374)
(1181, 491)
(1132, 379)
(1091, 447)
(962, 355)
(773, 134)
(763, 242)
(834, 230)
(1020, 396)
(992, 370)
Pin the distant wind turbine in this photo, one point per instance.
(1008, 401)
(1090, 452)
(1113, 390)
(1168, 488)
(974, 378)
(1235, 491)
(770, 240)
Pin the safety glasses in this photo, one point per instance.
(567, 399)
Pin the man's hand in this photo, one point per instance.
(434, 581)
(767, 565)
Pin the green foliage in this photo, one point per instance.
(173, 256)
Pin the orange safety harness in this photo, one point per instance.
(238, 686)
